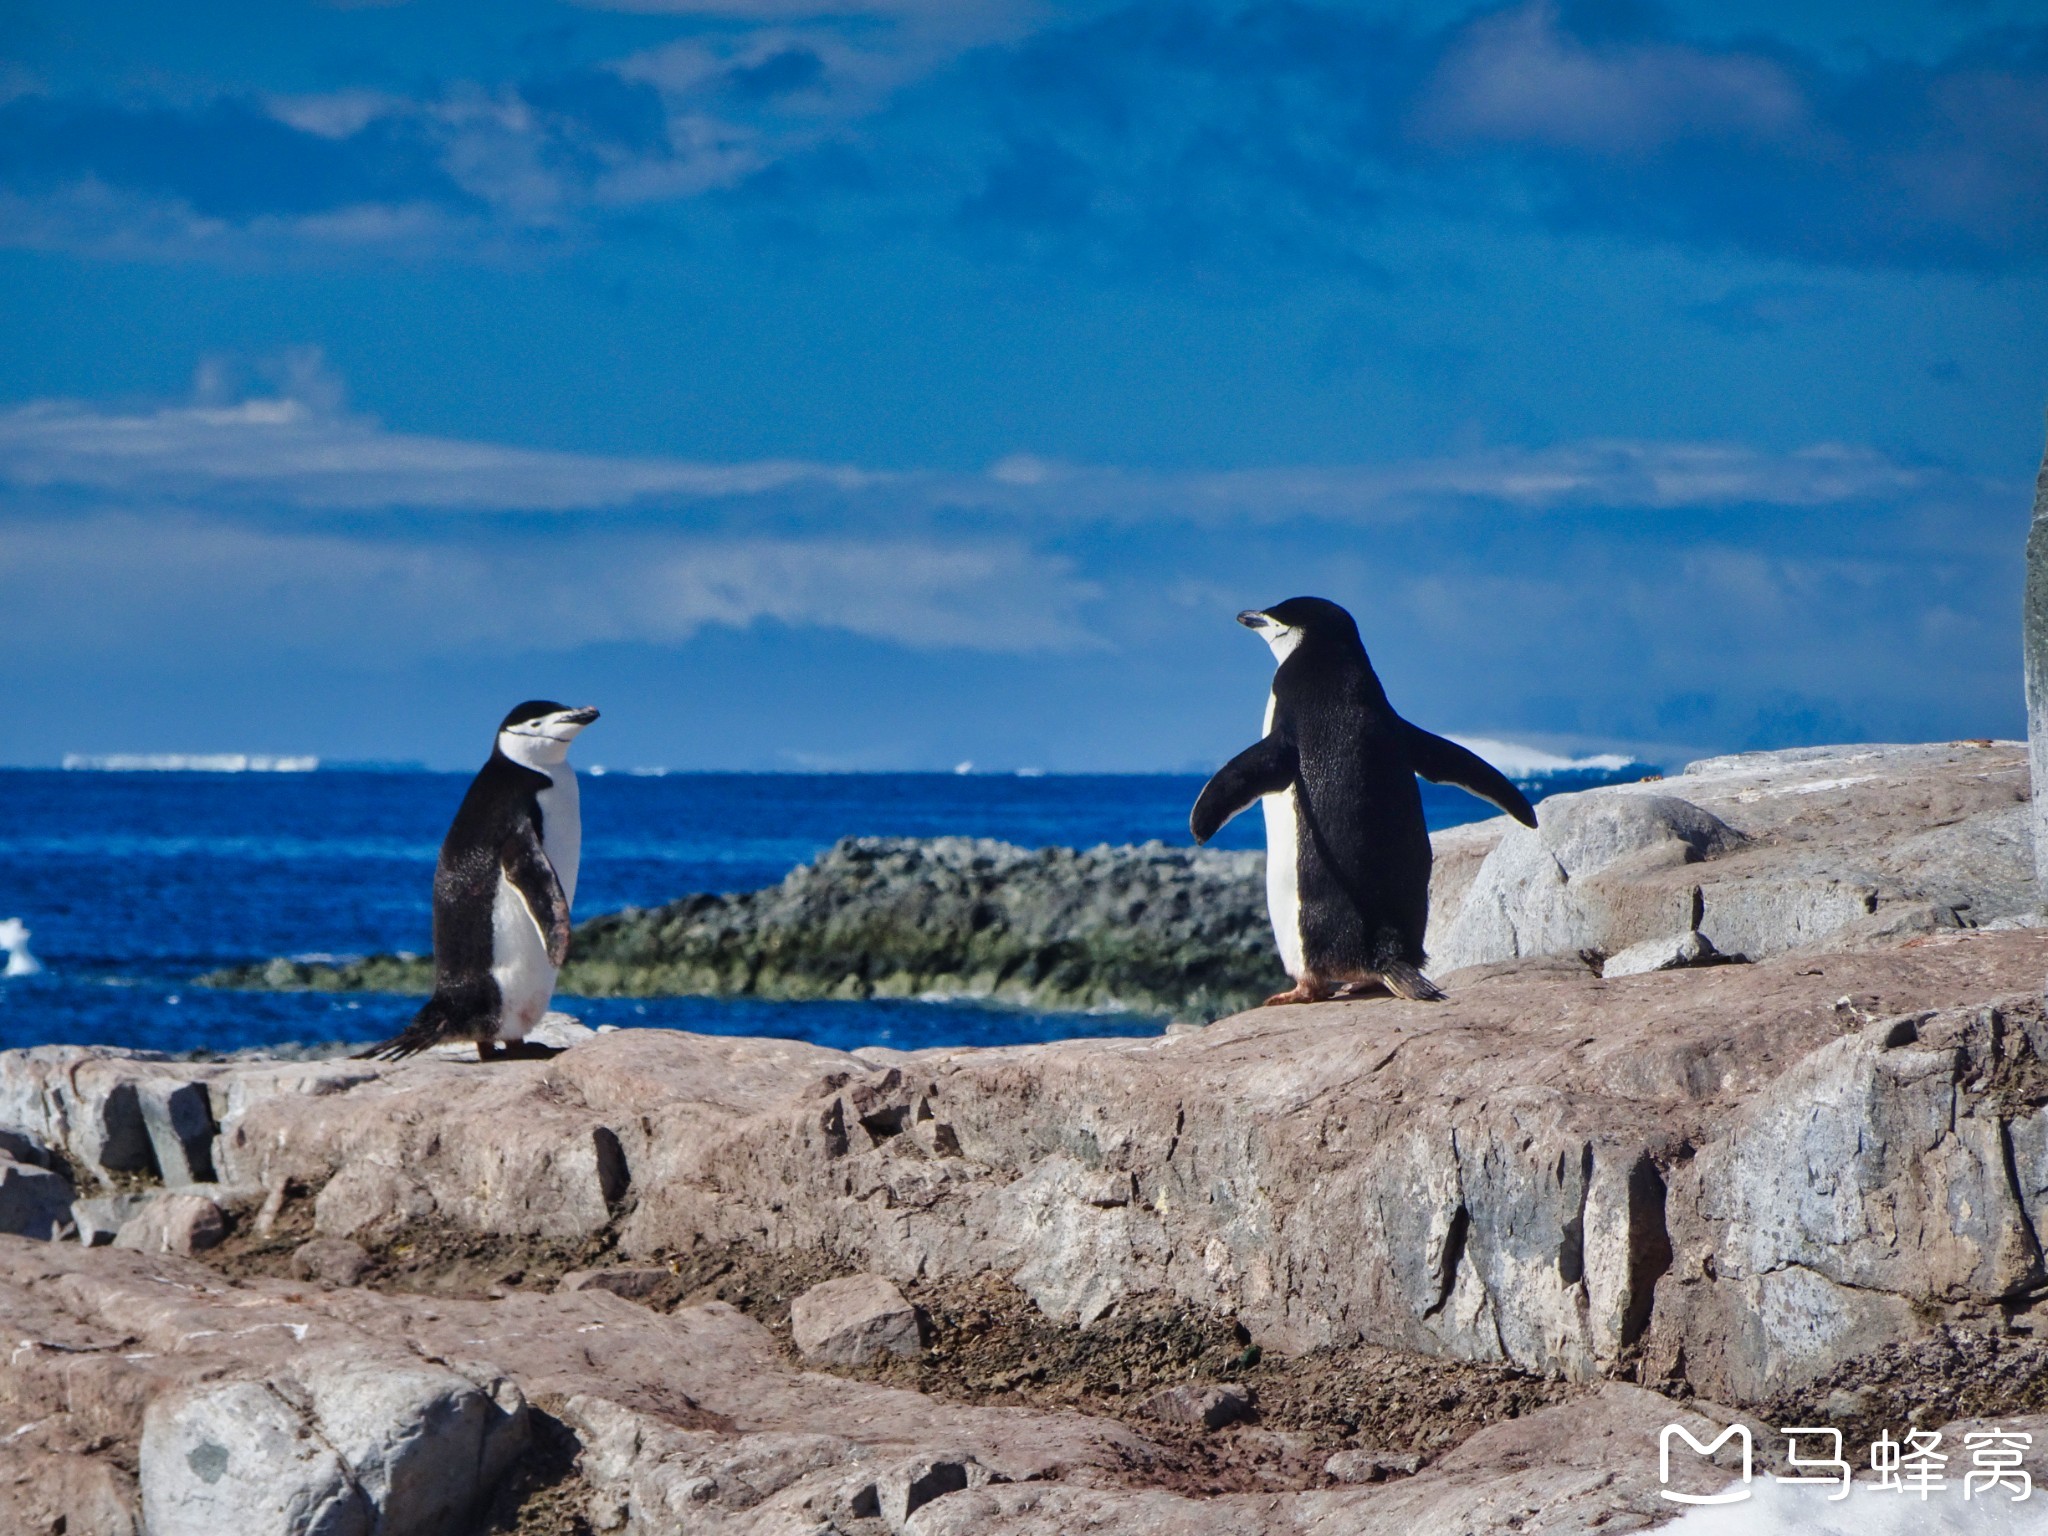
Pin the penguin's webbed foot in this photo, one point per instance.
(1311, 989)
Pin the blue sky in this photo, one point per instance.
(847, 384)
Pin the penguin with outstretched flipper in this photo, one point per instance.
(1347, 852)
(503, 889)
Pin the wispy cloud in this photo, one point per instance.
(1520, 77)
(305, 449)
(118, 585)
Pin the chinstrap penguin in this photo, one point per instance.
(503, 889)
(1347, 852)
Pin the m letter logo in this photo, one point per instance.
(1729, 1496)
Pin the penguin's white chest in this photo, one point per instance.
(1283, 887)
(519, 954)
(561, 827)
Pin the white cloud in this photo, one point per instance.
(124, 584)
(1519, 76)
(303, 449)
(293, 451)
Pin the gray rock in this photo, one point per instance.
(853, 1320)
(330, 1261)
(237, 1457)
(903, 1490)
(1532, 896)
(179, 1123)
(23, 1148)
(100, 1217)
(2034, 654)
(632, 1284)
(423, 1443)
(1363, 1466)
(174, 1223)
(1206, 1407)
(1670, 953)
(345, 1445)
(34, 1202)
(1837, 847)
(107, 1128)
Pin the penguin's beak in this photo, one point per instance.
(578, 717)
(1251, 618)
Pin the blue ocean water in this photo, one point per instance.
(133, 883)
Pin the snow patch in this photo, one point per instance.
(1803, 1509)
(1524, 762)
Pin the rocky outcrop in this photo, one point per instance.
(1739, 857)
(2034, 656)
(1744, 1174)
(1150, 928)
(1755, 855)
(1740, 1183)
(263, 1407)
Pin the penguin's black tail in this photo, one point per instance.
(430, 1026)
(1405, 980)
(1402, 976)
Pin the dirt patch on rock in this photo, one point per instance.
(1957, 1374)
(990, 1344)
(545, 1495)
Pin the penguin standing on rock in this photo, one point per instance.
(503, 889)
(1347, 852)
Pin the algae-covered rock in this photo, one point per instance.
(1149, 928)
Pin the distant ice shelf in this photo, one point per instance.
(1518, 761)
(187, 762)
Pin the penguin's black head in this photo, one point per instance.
(1301, 620)
(539, 731)
(545, 715)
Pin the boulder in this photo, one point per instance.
(423, 1444)
(908, 1487)
(174, 1223)
(99, 1218)
(34, 1202)
(632, 1284)
(1364, 1466)
(853, 1320)
(1832, 846)
(1205, 1407)
(178, 1120)
(330, 1261)
(1672, 952)
(236, 1456)
(1537, 892)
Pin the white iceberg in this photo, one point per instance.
(14, 942)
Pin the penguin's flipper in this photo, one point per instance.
(1265, 767)
(1445, 762)
(526, 865)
